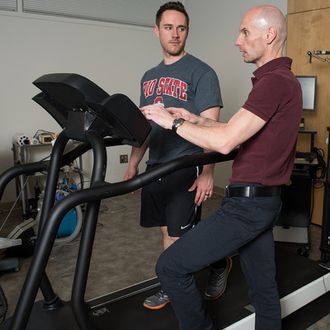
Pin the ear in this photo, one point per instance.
(156, 30)
(271, 35)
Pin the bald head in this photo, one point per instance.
(267, 16)
(262, 34)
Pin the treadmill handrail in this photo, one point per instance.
(102, 190)
(99, 191)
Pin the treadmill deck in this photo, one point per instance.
(300, 281)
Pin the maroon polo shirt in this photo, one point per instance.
(267, 157)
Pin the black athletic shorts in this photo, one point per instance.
(167, 202)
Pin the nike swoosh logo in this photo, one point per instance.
(189, 224)
(184, 227)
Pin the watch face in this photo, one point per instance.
(177, 122)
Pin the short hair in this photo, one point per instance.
(171, 5)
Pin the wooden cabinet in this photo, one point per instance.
(296, 6)
(308, 29)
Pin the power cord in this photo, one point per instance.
(318, 175)
(3, 306)
(321, 167)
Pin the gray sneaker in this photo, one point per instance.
(157, 301)
(217, 281)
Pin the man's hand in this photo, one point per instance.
(203, 186)
(183, 113)
(158, 114)
(164, 117)
(130, 173)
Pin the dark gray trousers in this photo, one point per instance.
(243, 224)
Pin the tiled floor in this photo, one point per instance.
(124, 253)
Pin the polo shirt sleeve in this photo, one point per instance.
(266, 96)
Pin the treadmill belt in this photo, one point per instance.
(293, 272)
(112, 312)
(130, 314)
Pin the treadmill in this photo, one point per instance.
(97, 120)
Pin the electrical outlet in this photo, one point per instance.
(123, 159)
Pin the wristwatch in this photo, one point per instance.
(177, 122)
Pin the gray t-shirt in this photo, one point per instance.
(188, 83)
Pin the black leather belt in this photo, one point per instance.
(153, 165)
(253, 191)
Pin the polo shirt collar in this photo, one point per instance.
(273, 65)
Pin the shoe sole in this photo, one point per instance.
(208, 297)
(155, 307)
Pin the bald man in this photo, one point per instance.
(265, 131)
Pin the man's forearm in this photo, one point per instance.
(137, 153)
(203, 121)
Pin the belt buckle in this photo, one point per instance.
(227, 191)
(248, 192)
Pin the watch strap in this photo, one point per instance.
(177, 122)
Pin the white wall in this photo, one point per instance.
(113, 56)
(213, 29)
